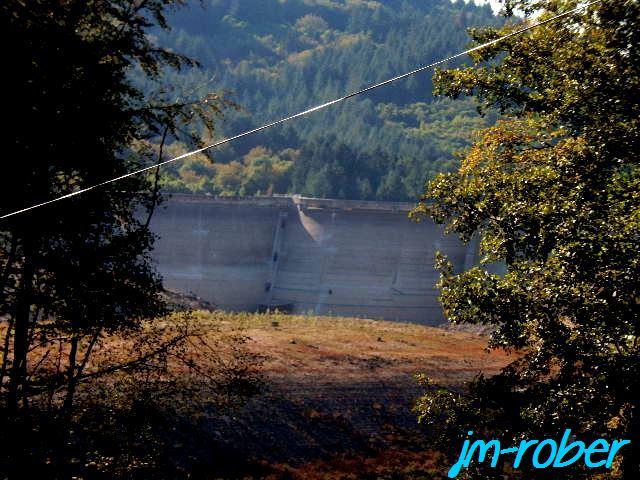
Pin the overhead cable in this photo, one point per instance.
(305, 112)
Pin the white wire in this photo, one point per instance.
(303, 113)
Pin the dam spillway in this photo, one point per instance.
(318, 256)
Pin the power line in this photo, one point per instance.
(305, 112)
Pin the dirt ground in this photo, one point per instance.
(349, 350)
(342, 387)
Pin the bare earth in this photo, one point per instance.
(337, 386)
(348, 350)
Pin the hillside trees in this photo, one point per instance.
(278, 58)
(553, 191)
(77, 270)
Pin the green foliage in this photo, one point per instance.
(553, 192)
(260, 172)
(278, 58)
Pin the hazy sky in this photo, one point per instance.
(494, 3)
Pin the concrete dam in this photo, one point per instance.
(319, 256)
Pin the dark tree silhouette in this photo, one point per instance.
(76, 270)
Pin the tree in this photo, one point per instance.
(318, 184)
(265, 173)
(79, 269)
(553, 192)
(391, 187)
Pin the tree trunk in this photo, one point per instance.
(6, 269)
(156, 180)
(5, 351)
(22, 316)
(71, 379)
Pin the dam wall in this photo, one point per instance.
(319, 256)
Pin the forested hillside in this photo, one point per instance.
(276, 57)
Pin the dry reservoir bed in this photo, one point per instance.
(336, 385)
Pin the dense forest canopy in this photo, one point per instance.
(277, 57)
